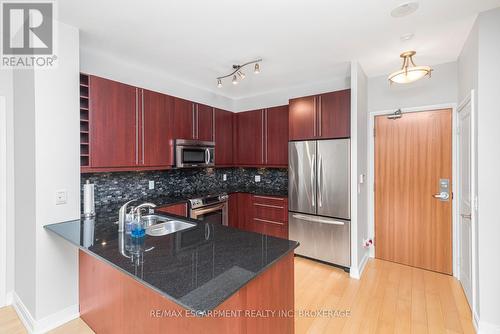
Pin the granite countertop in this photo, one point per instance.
(197, 268)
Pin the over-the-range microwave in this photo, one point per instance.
(194, 153)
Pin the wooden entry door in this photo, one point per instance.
(412, 154)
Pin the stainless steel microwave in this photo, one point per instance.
(194, 153)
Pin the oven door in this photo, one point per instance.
(216, 214)
(194, 156)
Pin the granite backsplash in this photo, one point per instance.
(123, 186)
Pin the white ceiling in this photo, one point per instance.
(300, 41)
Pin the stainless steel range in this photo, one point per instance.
(211, 208)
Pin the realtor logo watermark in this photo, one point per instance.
(27, 34)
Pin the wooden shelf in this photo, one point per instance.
(84, 121)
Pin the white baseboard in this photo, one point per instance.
(45, 324)
(356, 272)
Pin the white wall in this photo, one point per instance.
(488, 94)
(46, 160)
(359, 166)
(280, 97)
(108, 66)
(439, 89)
(6, 90)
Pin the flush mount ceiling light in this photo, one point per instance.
(237, 70)
(409, 72)
(405, 9)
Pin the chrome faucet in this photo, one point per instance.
(137, 210)
(122, 215)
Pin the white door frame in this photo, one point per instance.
(3, 202)
(471, 98)
(371, 172)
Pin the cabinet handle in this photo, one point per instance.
(197, 122)
(268, 206)
(193, 120)
(142, 116)
(268, 221)
(136, 126)
(269, 197)
(314, 116)
(213, 124)
(266, 132)
(262, 134)
(320, 116)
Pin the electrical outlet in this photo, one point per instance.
(61, 197)
(224, 177)
(367, 243)
(257, 178)
(151, 185)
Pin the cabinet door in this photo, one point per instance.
(114, 116)
(334, 114)
(184, 119)
(223, 137)
(250, 140)
(157, 139)
(204, 122)
(302, 118)
(174, 209)
(233, 217)
(276, 150)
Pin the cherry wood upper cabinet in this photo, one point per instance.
(156, 129)
(302, 118)
(192, 120)
(114, 117)
(334, 114)
(324, 116)
(250, 138)
(276, 138)
(204, 117)
(223, 134)
(184, 119)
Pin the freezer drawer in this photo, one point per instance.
(321, 238)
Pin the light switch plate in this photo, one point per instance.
(151, 185)
(257, 178)
(61, 197)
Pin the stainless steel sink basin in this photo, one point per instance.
(167, 227)
(151, 220)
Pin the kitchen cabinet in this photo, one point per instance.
(324, 116)
(179, 209)
(261, 214)
(129, 128)
(250, 138)
(113, 123)
(276, 138)
(262, 137)
(192, 120)
(223, 138)
(156, 130)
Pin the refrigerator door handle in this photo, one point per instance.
(318, 219)
(320, 175)
(313, 195)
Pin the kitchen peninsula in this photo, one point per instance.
(207, 278)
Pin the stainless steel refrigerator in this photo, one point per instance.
(319, 199)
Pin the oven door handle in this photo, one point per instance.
(198, 212)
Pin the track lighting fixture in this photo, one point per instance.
(237, 72)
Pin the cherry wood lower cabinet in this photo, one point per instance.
(262, 214)
(113, 302)
(179, 209)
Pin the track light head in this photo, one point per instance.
(219, 83)
(235, 80)
(241, 74)
(256, 69)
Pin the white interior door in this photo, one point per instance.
(3, 202)
(465, 200)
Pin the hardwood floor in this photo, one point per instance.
(389, 298)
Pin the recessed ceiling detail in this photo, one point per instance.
(405, 9)
(238, 73)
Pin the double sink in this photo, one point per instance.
(157, 225)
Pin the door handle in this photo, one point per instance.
(443, 196)
(317, 219)
(313, 171)
(207, 156)
(466, 216)
(320, 187)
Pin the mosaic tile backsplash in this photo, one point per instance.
(124, 186)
